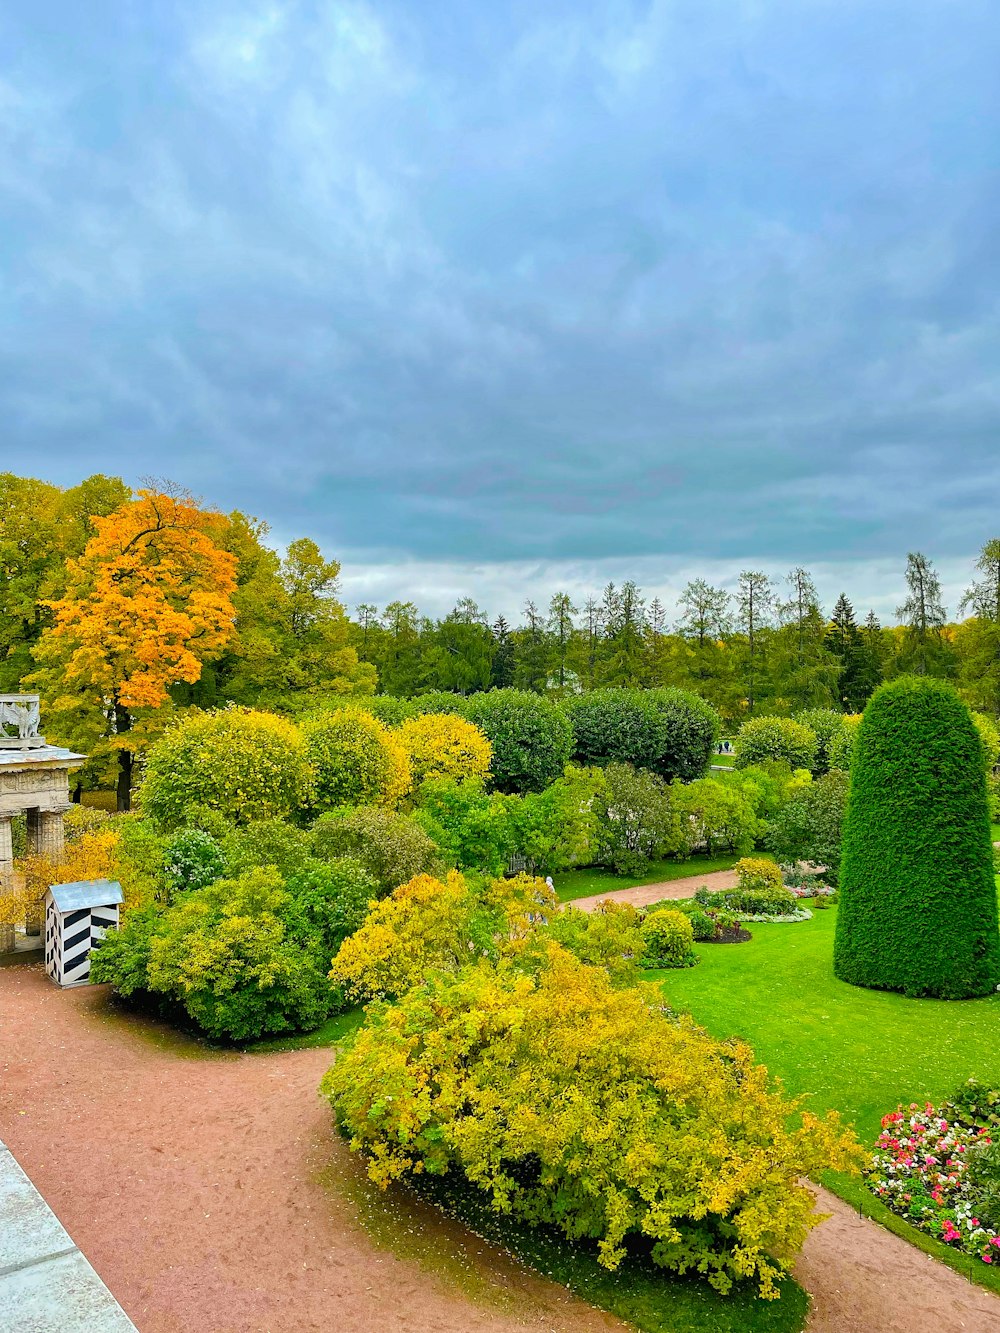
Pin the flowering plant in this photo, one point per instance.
(924, 1169)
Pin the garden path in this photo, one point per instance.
(645, 894)
(209, 1193)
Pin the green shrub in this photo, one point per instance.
(982, 1172)
(918, 909)
(667, 936)
(637, 821)
(239, 763)
(769, 900)
(267, 842)
(826, 724)
(611, 936)
(121, 959)
(192, 860)
(810, 826)
(715, 813)
(776, 738)
(668, 731)
(990, 737)
(558, 827)
(78, 820)
(472, 827)
(238, 960)
(841, 749)
(759, 873)
(392, 848)
(333, 897)
(532, 740)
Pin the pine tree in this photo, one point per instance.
(843, 640)
(504, 657)
(561, 628)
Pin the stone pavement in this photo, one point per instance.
(46, 1285)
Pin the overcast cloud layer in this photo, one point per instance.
(487, 297)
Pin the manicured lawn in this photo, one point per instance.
(841, 1047)
(722, 760)
(327, 1034)
(583, 883)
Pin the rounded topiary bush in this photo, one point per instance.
(237, 762)
(918, 903)
(531, 738)
(667, 936)
(443, 745)
(776, 738)
(356, 760)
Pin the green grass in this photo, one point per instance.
(840, 1047)
(995, 832)
(722, 760)
(327, 1034)
(638, 1292)
(584, 883)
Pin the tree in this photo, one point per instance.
(809, 827)
(843, 639)
(918, 910)
(754, 601)
(637, 822)
(458, 651)
(368, 627)
(624, 617)
(146, 603)
(803, 670)
(532, 669)
(670, 732)
(923, 614)
(504, 656)
(392, 848)
(400, 665)
(776, 739)
(561, 629)
(705, 615)
(979, 638)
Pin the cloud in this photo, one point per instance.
(556, 287)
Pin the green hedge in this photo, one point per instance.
(918, 905)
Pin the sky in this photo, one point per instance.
(491, 299)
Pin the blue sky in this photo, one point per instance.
(491, 298)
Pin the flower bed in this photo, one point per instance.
(932, 1167)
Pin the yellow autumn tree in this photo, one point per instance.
(441, 745)
(148, 601)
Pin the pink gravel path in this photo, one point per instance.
(645, 894)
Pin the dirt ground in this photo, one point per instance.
(211, 1196)
(654, 893)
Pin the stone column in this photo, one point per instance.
(52, 834)
(6, 878)
(34, 839)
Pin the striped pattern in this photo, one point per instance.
(69, 938)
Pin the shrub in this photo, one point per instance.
(918, 909)
(990, 738)
(231, 956)
(438, 701)
(668, 936)
(636, 820)
(356, 760)
(392, 848)
(80, 819)
(531, 739)
(121, 959)
(810, 827)
(693, 730)
(333, 897)
(758, 872)
(715, 814)
(242, 764)
(192, 860)
(267, 842)
(577, 1104)
(431, 924)
(842, 745)
(826, 724)
(668, 731)
(767, 786)
(762, 900)
(611, 936)
(558, 827)
(472, 827)
(443, 746)
(776, 738)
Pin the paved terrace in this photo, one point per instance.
(46, 1285)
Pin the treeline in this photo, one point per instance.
(769, 647)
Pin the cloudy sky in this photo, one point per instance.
(490, 298)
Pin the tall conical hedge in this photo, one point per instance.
(918, 902)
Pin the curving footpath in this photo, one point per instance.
(209, 1192)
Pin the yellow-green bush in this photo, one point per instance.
(758, 872)
(442, 745)
(590, 1108)
(668, 937)
(356, 760)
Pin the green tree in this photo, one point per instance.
(803, 671)
(918, 910)
(561, 631)
(532, 739)
(754, 608)
(624, 616)
(924, 650)
(979, 638)
(843, 639)
(532, 669)
(400, 661)
(458, 651)
(504, 656)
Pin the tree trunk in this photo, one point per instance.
(126, 762)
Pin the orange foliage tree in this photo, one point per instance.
(148, 601)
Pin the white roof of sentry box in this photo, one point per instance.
(86, 893)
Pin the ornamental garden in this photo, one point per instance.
(602, 973)
(638, 1088)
